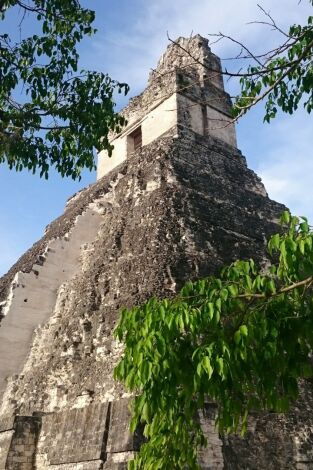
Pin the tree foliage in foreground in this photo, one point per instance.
(51, 114)
(241, 339)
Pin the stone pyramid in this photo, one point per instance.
(176, 201)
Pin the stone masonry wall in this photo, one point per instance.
(85, 438)
(179, 209)
(186, 88)
(18, 445)
(190, 73)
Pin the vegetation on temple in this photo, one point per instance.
(51, 113)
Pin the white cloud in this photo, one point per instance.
(287, 171)
(132, 51)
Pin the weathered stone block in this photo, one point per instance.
(70, 437)
(120, 439)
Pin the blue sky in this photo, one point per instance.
(131, 36)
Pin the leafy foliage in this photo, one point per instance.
(241, 339)
(283, 76)
(62, 114)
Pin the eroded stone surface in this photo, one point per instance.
(180, 208)
(32, 295)
(176, 213)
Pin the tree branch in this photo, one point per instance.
(277, 82)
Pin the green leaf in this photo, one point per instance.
(237, 337)
(220, 366)
(206, 364)
(233, 289)
(274, 242)
(243, 330)
(211, 310)
(285, 217)
(302, 247)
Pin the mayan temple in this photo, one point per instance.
(175, 201)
